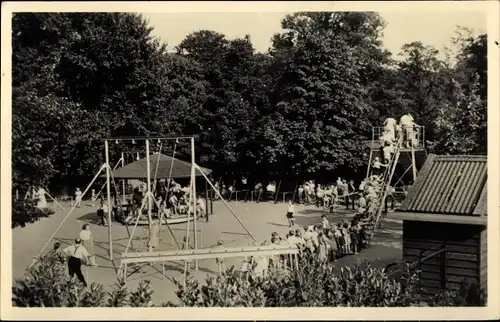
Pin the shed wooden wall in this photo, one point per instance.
(483, 266)
(462, 256)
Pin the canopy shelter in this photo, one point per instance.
(138, 169)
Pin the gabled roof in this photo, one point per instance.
(454, 185)
(138, 169)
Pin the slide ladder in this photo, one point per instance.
(383, 191)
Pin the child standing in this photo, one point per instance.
(325, 224)
(355, 231)
(333, 245)
(339, 237)
(102, 212)
(78, 197)
(322, 247)
(289, 214)
(88, 242)
(219, 261)
(185, 246)
(347, 238)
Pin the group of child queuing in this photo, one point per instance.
(171, 201)
(328, 240)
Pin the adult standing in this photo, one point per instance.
(408, 124)
(390, 126)
(42, 201)
(77, 255)
(301, 194)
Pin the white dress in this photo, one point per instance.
(42, 201)
(85, 236)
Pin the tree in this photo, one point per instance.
(235, 89)
(40, 112)
(424, 82)
(90, 75)
(459, 122)
(320, 118)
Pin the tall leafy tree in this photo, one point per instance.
(102, 74)
(424, 81)
(234, 75)
(320, 117)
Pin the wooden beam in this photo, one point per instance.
(442, 218)
(188, 255)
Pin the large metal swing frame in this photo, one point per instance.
(162, 256)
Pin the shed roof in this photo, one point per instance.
(138, 169)
(454, 185)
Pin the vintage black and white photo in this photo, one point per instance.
(249, 159)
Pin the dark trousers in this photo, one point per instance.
(350, 200)
(101, 215)
(387, 202)
(75, 267)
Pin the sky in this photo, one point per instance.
(431, 28)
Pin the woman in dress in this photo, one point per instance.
(322, 247)
(40, 195)
(88, 242)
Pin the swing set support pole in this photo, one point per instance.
(108, 191)
(225, 202)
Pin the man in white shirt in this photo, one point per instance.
(271, 189)
(407, 124)
(77, 254)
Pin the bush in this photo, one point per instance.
(315, 284)
(48, 285)
(25, 212)
(469, 293)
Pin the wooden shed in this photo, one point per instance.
(445, 214)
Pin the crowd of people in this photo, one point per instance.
(168, 201)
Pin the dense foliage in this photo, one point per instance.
(301, 110)
(25, 212)
(314, 285)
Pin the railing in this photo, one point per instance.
(418, 136)
(419, 262)
(251, 196)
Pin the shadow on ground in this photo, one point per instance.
(90, 218)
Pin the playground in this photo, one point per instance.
(261, 219)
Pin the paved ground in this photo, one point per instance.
(260, 219)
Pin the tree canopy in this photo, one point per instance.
(301, 110)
